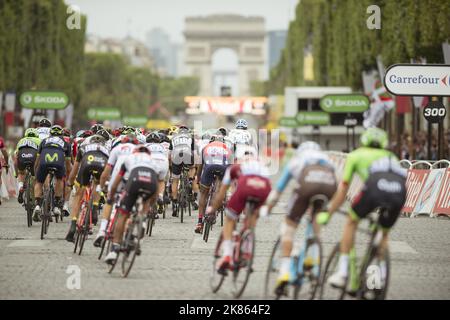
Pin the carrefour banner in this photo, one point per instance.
(44, 100)
(418, 80)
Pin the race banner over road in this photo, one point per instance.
(418, 80)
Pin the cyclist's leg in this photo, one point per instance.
(176, 173)
(41, 175)
(206, 181)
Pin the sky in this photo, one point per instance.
(118, 18)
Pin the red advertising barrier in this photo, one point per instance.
(442, 205)
(415, 182)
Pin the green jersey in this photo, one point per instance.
(361, 160)
(29, 143)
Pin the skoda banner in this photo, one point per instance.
(345, 103)
(103, 114)
(313, 118)
(44, 100)
(418, 80)
(137, 121)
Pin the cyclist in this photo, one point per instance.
(138, 169)
(91, 160)
(181, 155)
(53, 153)
(96, 127)
(115, 160)
(240, 135)
(5, 164)
(252, 181)
(313, 171)
(25, 154)
(160, 157)
(44, 127)
(384, 187)
(215, 159)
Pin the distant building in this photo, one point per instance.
(277, 42)
(134, 50)
(164, 51)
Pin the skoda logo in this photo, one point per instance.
(27, 99)
(328, 103)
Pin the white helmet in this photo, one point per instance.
(308, 145)
(242, 124)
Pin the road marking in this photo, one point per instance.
(28, 243)
(400, 247)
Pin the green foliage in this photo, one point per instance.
(342, 46)
(173, 90)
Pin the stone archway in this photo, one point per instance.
(244, 35)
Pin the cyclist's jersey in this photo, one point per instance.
(55, 144)
(247, 168)
(43, 132)
(240, 136)
(217, 153)
(294, 168)
(365, 161)
(94, 149)
(141, 138)
(160, 164)
(28, 142)
(120, 150)
(202, 143)
(166, 146)
(182, 141)
(136, 160)
(157, 148)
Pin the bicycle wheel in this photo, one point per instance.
(206, 231)
(308, 282)
(327, 291)
(151, 222)
(371, 285)
(131, 245)
(216, 279)
(273, 269)
(86, 223)
(246, 252)
(108, 249)
(28, 200)
(44, 223)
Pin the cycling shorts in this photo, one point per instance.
(92, 164)
(210, 171)
(314, 180)
(142, 180)
(385, 190)
(250, 186)
(51, 158)
(25, 159)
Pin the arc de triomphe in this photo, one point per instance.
(206, 34)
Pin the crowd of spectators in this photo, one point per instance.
(417, 148)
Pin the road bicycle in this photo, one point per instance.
(243, 253)
(208, 222)
(184, 191)
(134, 233)
(306, 261)
(28, 200)
(365, 280)
(47, 203)
(109, 234)
(84, 221)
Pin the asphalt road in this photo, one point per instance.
(176, 263)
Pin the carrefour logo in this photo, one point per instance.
(421, 79)
(446, 81)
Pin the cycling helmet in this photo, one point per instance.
(129, 138)
(242, 124)
(374, 138)
(173, 130)
(183, 128)
(31, 133)
(96, 138)
(45, 123)
(56, 130)
(216, 138)
(79, 134)
(141, 149)
(96, 127)
(104, 134)
(87, 133)
(308, 145)
(153, 137)
(206, 136)
(128, 130)
(222, 131)
(66, 132)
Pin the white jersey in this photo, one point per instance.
(160, 164)
(157, 148)
(310, 157)
(141, 159)
(43, 132)
(121, 150)
(239, 136)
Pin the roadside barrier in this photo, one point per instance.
(9, 183)
(427, 183)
